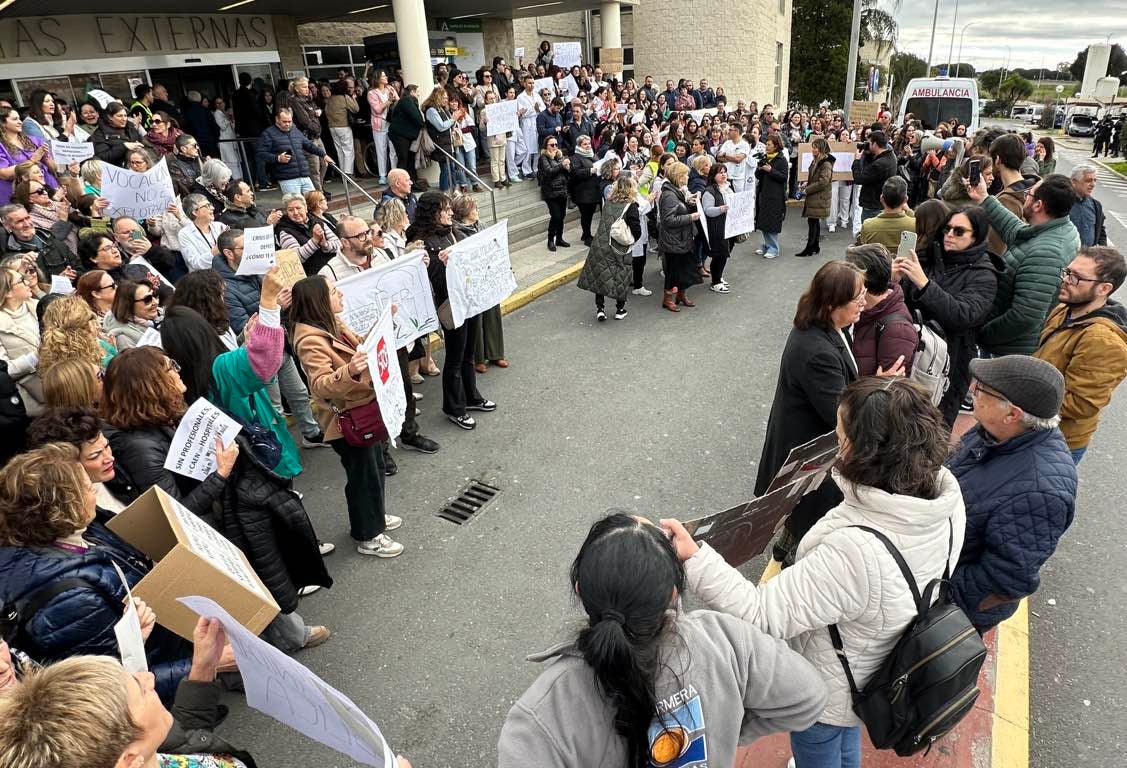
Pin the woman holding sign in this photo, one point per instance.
(819, 193)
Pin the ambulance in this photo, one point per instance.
(935, 100)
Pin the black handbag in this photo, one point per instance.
(265, 444)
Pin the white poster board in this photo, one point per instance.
(404, 284)
(478, 272)
(282, 688)
(569, 87)
(258, 251)
(214, 547)
(145, 263)
(387, 378)
(697, 115)
(520, 52)
(568, 55)
(137, 195)
(66, 152)
(192, 452)
(741, 213)
(100, 96)
(501, 118)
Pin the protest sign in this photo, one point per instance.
(61, 285)
(741, 213)
(150, 338)
(501, 117)
(864, 112)
(290, 268)
(568, 55)
(193, 446)
(258, 251)
(137, 195)
(697, 115)
(282, 688)
(542, 83)
(387, 379)
(478, 272)
(402, 283)
(189, 558)
(569, 88)
(130, 642)
(610, 59)
(520, 53)
(67, 152)
(843, 160)
(100, 96)
(814, 457)
(744, 531)
(145, 263)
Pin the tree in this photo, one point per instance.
(989, 81)
(1013, 89)
(1116, 64)
(903, 67)
(819, 50)
(965, 69)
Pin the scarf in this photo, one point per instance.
(585, 152)
(771, 156)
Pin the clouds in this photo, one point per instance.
(1035, 31)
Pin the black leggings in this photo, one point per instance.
(639, 263)
(557, 210)
(716, 266)
(404, 156)
(600, 302)
(813, 232)
(586, 214)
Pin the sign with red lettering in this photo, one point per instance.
(939, 92)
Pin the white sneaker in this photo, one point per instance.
(719, 288)
(790, 763)
(760, 251)
(326, 547)
(833, 228)
(381, 546)
(725, 282)
(391, 522)
(771, 255)
(600, 315)
(643, 291)
(306, 591)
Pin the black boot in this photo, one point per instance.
(551, 243)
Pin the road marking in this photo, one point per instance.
(1010, 731)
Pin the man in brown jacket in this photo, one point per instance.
(1085, 338)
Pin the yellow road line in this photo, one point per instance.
(1010, 732)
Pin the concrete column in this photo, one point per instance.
(414, 47)
(610, 21)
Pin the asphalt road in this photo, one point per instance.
(658, 414)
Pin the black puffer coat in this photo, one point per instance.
(584, 185)
(553, 177)
(771, 196)
(263, 516)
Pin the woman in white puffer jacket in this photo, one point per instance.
(893, 445)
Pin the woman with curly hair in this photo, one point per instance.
(70, 332)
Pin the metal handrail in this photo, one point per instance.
(478, 179)
(349, 180)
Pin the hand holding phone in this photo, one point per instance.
(907, 249)
(974, 174)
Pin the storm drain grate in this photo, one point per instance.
(475, 497)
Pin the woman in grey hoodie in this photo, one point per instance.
(646, 683)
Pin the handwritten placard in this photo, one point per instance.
(402, 283)
(387, 379)
(258, 251)
(741, 213)
(290, 268)
(864, 112)
(479, 274)
(501, 117)
(193, 446)
(567, 55)
(137, 195)
(67, 152)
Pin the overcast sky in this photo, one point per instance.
(1035, 30)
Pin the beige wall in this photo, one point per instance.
(337, 33)
(498, 34)
(289, 44)
(562, 27)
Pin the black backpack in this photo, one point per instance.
(930, 679)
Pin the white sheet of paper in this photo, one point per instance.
(150, 338)
(281, 687)
(479, 274)
(501, 117)
(130, 642)
(570, 88)
(568, 54)
(843, 162)
(258, 251)
(193, 446)
(541, 84)
(741, 213)
(145, 263)
(137, 195)
(66, 152)
(61, 285)
(387, 379)
(520, 52)
(403, 282)
(100, 96)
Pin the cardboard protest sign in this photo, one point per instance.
(67, 152)
(610, 59)
(744, 531)
(387, 379)
(137, 195)
(130, 641)
(402, 283)
(501, 117)
(290, 268)
(542, 83)
(190, 558)
(843, 159)
(864, 112)
(478, 272)
(61, 285)
(193, 446)
(812, 458)
(281, 687)
(258, 251)
(741, 213)
(568, 54)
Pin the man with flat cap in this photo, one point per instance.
(1019, 485)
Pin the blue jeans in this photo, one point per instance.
(444, 174)
(299, 186)
(1077, 454)
(771, 242)
(827, 746)
(468, 158)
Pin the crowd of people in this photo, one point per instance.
(110, 328)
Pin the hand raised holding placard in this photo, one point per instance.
(271, 288)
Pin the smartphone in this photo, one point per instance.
(974, 175)
(136, 235)
(907, 245)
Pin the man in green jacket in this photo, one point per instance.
(1038, 250)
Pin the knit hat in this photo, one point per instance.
(1033, 385)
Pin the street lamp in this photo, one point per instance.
(951, 50)
(961, 34)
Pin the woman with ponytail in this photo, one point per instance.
(646, 683)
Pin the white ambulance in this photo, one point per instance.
(935, 100)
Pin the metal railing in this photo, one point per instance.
(349, 180)
(492, 192)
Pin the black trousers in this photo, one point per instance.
(586, 215)
(363, 487)
(813, 233)
(404, 156)
(639, 264)
(410, 426)
(459, 380)
(557, 209)
(600, 302)
(719, 261)
(792, 181)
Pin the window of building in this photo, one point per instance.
(323, 61)
(778, 98)
(627, 61)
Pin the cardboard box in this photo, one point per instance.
(290, 269)
(190, 558)
(842, 151)
(610, 60)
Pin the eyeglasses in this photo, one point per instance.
(860, 298)
(978, 389)
(146, 300)
(108, 247)
(957, 231)
(358, 236)
(173, 365)
(376, 232)
(1071, 278)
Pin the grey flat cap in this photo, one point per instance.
(1033, 385)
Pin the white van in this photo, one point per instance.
(934, 100)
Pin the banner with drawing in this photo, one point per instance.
(741, 213)
(402, 282)
(478, 273)
(137, 195)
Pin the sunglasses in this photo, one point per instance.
(155, 121)
(40, 191)
(106, 287)
(956, 231)
(146, 300)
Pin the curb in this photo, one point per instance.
(1108, 167)
(1009, 736)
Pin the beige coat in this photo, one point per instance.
(325, 360)
(16, 341)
